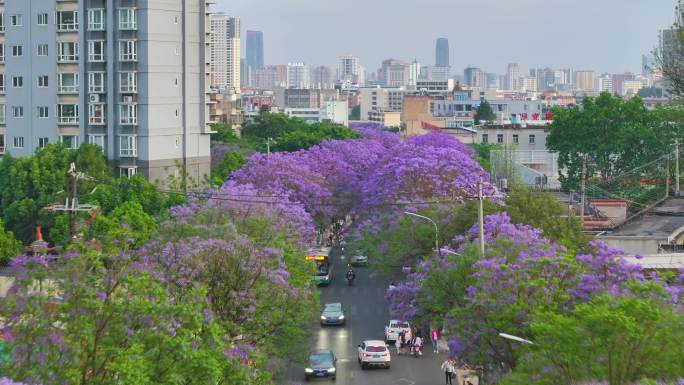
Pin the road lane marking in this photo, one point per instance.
(402, 381)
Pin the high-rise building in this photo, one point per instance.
(512, 77)
(349, 70)
(270, 77)
(298, 75)
(130, 78)
(442, 52)
(546, 79)
(529, 83)
(474, 77)
(439, 73)
(255, 49)
(492, 81)
(414, 73)
(322, 77)
(605, 83)
(585, 80)
(225, 52)
(394, 73)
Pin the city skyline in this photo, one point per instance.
(619, 48)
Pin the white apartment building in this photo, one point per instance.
(381, 100)
(130, 76)
(298, 75)
(225, 53)
(349, 70)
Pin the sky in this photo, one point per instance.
(602, 35)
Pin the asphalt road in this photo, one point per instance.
(366, 313)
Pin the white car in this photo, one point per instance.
(374, 353)
(394, 327)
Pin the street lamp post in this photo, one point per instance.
(436, 229)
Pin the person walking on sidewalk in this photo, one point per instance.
(434, 336)
(448, 369)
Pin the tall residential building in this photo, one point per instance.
(605, 83)
(512, 77)
(529, 83)
(546, 79)
(442, 52)
(225, 52)
(270, 77)
(439, 73)
(394, 73)
(322, 77)
(129, 76)
(474, 77)
(298, 75)
(349, 70)
(585, 80)
(255, 49)
(414, 73)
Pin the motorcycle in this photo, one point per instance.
(417, 351)
(350, 278)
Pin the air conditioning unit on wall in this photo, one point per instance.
(94, 98)
(128, 99)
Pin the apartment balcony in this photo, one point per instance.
(67, 120)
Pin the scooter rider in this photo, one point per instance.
(418, 346)
(351, 275)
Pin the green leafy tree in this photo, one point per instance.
(484, 112)
(650, 92)
(134, 189)
(9, 246)
(355, 113)
(231, 161)
(127, 221)
(623, 340)
(611, 134)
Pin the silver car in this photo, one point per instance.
(359, 260)
(332, 314)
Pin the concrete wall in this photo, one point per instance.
(634, 245)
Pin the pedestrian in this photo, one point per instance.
(398, 345)
(448, 369)
(434, 336)
(402, 337)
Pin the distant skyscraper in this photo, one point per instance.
(322, 77)
(255, 49)
(225, 52)
(474, 77)
(585, 80)
(442, 52)
(512, 77)
(414, 73)
(349, 69)
(394, 73)
(298, 75)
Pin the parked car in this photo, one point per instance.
(332, 314)
(374, 353)
(322, 364)
(394, 327)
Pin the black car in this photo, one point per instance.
(322, 364)
(332, 314)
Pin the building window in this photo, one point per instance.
(96, 20)
(128, 114)
(499, 138)
(18, 142)
(42, 142)
(2, 52)
(2, 83)
(2, 22)
(127, 172)
(96, 82)
(96, 113)
(42, 19)
(67, 52)
(17, 50)
(516, 139)
(2, 115)
(127, 18)
(127, 50)
(17, 81)
(43, 81)
(485, 138)
(16, 20)
(97, 140)
(532, 139)
(128, 82)
(96, 51)
(67, 113)
(42, 49)
(68, 83)
(67, 20)
(69, 141)
(18, 112)
(128, 145)
(43, 112)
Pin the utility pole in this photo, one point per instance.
(268, 145)
(71, 204)
(584, 186)
(677, 167)
(667, 177)
(480, 212)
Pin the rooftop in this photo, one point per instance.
(665, 219)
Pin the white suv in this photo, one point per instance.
(374, 353)
(395, 326)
